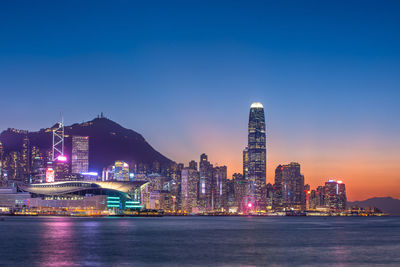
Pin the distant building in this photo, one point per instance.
(277, 198)
(189, 186)
(220, 201)
(318, 198)
(25, 160)
(230, 196)
(193, 165)
(240, 188)
(173, 187)
(269, 194)
(206, 181)
(121, 171)
(307, 193)
(80, 154)
(342, 202)
(61, 168)
(289, 183)
(335, 195)
(37, 165)
(50, 173)
(13, 166)
(161, 200)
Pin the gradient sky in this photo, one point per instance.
(185, 74)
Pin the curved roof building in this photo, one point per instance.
(129, 190)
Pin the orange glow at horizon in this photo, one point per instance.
(368, 166)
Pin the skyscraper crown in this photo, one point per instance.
(256, 105)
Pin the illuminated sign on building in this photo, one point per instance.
(90, 173)
(49, 175)
(62, 158)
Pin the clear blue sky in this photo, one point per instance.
(184, 74)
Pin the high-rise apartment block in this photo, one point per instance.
(206, 183)
(335, 195)
(121, 171)
(189, 186)
(289, 187)
(80, 154)
(220, 189)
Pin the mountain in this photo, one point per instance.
(386, 204)
(108, 142)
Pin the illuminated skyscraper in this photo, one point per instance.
(246, 163)
(121, 171)
(58, 141)
(61, 168)
(320, 197)
(277, 199)
(289, 186)
(189, 185)
(35, 153)
(342, 198)
(240, 188)
(335, 195)
(13, 166)
(50, 176)
(80, 154)
(220, 189)
(25, 156)
(269, 194)
(257, 153)
(205, 185)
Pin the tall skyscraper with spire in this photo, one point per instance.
(257, 153)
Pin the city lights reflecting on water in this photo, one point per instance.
(57, 242)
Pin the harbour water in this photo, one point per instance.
(201, 241)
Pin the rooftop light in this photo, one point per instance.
(256, 105)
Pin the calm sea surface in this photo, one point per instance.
(201, 241)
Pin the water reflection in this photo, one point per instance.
(57, 243)
(201, 241)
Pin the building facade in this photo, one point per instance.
(257, 153)
(121, 171)
(220, 200)
(189, 186)
(240, 188)
(335, 195)
(80, 154)
(206, 182)
(289, 187)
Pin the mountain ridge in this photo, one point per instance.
(386, 204)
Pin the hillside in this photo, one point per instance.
(108, 141)
(386, 204)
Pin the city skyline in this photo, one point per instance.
(327, 79)
(192, 164)
(199, 133)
